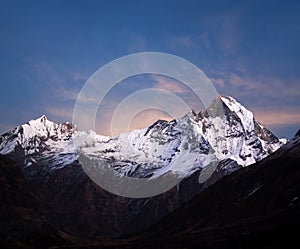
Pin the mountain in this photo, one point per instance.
(77, 211)
(19, 221)
(39, 140)
(255, 207)
(185, 144)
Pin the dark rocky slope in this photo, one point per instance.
(254, 207)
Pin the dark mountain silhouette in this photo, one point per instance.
(254, 207)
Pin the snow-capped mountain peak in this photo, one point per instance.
(225, 130)
(39, 138)
(42, 127)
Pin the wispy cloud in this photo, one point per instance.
(49, 75)
(274, 118)
(228, 31)
(64, 94)
(143, 119)
(185, 41)
(235, 81)
(59, 113)
(168, 84)
(117, 115)
(78, 76)
(266, 86)
(147, 117)
(46, 73)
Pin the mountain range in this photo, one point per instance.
(49, 201)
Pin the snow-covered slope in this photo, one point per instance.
(38, 140)
(175, 146)
(226, 130)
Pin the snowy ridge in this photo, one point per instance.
(165, 146)
(40, 139)
(227, 130)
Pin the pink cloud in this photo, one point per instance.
(275, 118)
(148, 117)
(241, 85)
(61, 113)
(169, 85)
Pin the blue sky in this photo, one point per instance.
(249, 49)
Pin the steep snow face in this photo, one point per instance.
(175, 146)
(233, 133)
(245, 116)
(226, 130)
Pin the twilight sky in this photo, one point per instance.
(249, 49)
